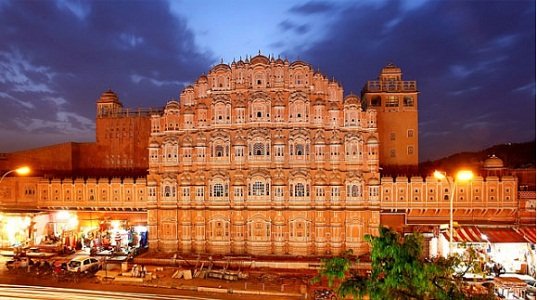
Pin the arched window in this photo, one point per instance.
(219, 151)
(299, 149)
(167, 191)
(218, 190)
(355, 191)
(259, 149)
(258, 189)
(299, 190)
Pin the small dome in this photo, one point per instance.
(222, 67)
(172, 105)
(333, 106)
(279, 61)
(298, 63)
(372, 140)
(352, 99)
(259, 59)
(318, 102)
(391, 69)
(373, 181)
(188, 110)
(493, 162)
(203, 79)
(108, 97)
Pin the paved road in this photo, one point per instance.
(9, 291)
(91, 288)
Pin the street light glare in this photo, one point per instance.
(439, 175)
(23, 170)
(465, 175)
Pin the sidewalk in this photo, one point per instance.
(258, 283)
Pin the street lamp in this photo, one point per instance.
(462, 176)
(21, 171)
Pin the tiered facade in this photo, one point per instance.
(263, 157)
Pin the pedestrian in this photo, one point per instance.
(142, 271)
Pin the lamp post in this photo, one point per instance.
(21, 171)
(463, 176)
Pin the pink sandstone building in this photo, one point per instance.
(260, 157)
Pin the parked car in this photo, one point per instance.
(84, 264)
(18, 262)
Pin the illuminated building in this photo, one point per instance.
(262, 156)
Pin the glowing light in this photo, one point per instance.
(63, 215)
(23, 170)
(465, 175)
(439, 174)
(115, 224)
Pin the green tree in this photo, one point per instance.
(399, 271)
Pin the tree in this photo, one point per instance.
(400, 271)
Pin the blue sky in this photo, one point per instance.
(474, 60)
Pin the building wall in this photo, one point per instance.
(56, 158)
(260, 141)
(396, 104)
(261, 157)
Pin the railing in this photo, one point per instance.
(391, 86)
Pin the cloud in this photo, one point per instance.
(467, 57)
(55, 67)
(312, 7)
(287, 25)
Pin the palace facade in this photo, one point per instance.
(261, 157)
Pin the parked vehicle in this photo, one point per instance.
(84, 264)
(18, 262)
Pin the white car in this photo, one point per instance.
(84, 264)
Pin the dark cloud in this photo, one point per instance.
(312, 7)
(470, 58)
(287, 25)
(57, 57)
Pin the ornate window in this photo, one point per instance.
(258, 189)
(218, 190)
(299, 190)
(259, 149)
(219, 151)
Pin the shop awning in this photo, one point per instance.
(502, 235)
(528, 233)
(465, 234)
(474, 234)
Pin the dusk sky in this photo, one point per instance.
(474, 60)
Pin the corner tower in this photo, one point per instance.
(396, 103)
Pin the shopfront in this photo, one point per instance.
(22, 229)
(512, 248)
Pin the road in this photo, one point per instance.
(8, 291)
(28, 285)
